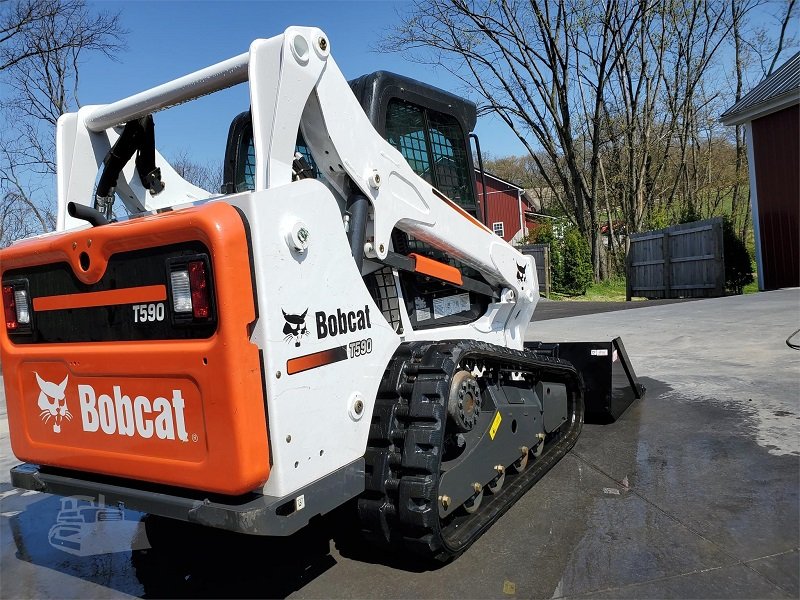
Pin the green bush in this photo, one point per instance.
(577, 274)
(738, 264)
(657, 218)
(570, 259)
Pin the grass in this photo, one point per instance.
(611, 290)
(751, 288)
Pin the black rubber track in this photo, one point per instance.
(400, 504)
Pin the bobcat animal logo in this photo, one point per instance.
(295, 327)
(52, 402)
(522, 274)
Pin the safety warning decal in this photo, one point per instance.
(495, 425)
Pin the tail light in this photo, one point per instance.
(198, 284)
(16, 307)
(190, 289)
(10, 308)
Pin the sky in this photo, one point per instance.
(169, 39)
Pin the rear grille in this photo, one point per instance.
(71, 311)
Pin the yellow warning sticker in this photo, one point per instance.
(495, 425)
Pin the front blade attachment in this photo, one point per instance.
(610, 382)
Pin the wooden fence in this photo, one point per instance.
(541, 254)
(682, 261)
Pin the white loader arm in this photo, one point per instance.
(295, 83)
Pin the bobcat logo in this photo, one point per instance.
(522, 275)
(295, 327)
(52, 402)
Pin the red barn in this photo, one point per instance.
(770, 113)
(506, 206)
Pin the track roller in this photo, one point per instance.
(496, 484)
(472, 505)
(519, 465)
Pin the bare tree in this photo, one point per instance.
(16, 20)
(43, 42)
(616, 102)
(520, 170)
(759, 42)
(542, 67)
(785, 18)
(19, 218)
(738, 10)
(206, 176)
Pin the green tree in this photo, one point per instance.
(738, 263)
(570, 258)
(578, 274)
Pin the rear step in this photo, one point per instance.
(252, 513)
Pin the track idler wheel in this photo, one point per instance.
(464, 403)
(496, 484)
(537, 452)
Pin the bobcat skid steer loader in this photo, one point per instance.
(339, 324)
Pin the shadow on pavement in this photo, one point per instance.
(194, 562)
(161, 558)
(218, 564)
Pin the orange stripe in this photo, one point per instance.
(317, 359)
(133, 295)
(434, 268)
(464, 213)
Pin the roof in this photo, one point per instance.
(526, 196)
(512, 186)
(777, 91)
(500, 179)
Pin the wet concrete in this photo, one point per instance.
(692, 493)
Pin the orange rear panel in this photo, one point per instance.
(183, 412)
